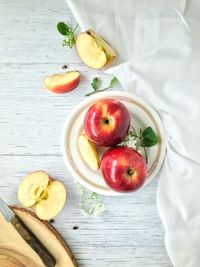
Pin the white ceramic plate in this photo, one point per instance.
(142, 115)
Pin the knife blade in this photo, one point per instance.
(27, 235)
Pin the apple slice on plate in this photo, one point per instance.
(93, 50)
(62, 83)
(88, 152)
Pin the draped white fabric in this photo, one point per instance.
(158, 47)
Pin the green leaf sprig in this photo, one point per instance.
(95, 85)
(69, 34)
(144, 138)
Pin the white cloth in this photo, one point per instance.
(158, 47)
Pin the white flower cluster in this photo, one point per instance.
(90, 203)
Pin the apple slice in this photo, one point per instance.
(32, 188)
(62, 83)
(48, 207)
(110, 52)
(93, 50)
(43, 194)
(88, 152)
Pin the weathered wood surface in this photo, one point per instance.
(129, 233)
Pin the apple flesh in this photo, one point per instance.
(32, 188)
(107, 122)
(123, 169)
(52, 203)
(88, 152)
(93, 50)
(43, 194)
(62, 83)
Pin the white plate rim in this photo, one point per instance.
(96, 97)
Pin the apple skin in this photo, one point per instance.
(107, 122)
(54, 82)
(65, 88)
(123, 169)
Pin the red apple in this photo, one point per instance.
(123, 169)
(107, 122)
(62, 83)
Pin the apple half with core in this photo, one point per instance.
(123, 169)
(107, 122)
(93, 50)
(42, 193)
(62, 83)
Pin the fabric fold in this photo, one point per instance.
(158, 46)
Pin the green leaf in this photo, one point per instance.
(69, 34)
(63, 28)
(113, 82)
(148, 137)
(95, 83)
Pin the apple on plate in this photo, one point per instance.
(93, 50)
(62, 83)
(123, 169)
(42, 193)
(107, 122)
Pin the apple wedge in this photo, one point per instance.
(43, 194)
(88, 152)
(62, 83)
(93, 50)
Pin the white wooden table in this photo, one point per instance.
(129, 233)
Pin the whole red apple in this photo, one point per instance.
(123, 169)
(107, 122)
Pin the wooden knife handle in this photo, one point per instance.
(33, 242)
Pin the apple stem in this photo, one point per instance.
(130, 172)
(146, 157)
(75, 28)
(101, 90)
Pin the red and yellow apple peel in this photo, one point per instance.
(62, 83)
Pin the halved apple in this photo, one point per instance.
(88, 152)
(43, 194)
(33, 187)
(49, 206)
(62, 83)
(93, 50)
